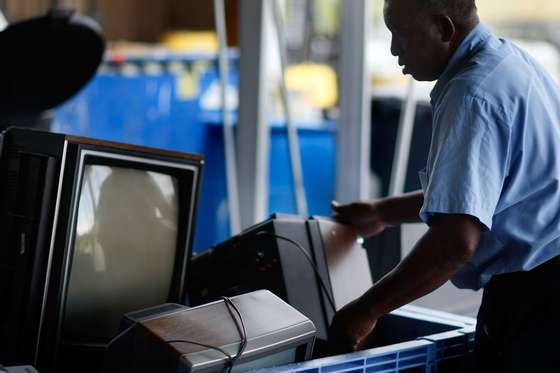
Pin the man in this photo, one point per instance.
(490, 190)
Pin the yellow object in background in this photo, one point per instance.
(316, 82)
(187, 86)
(191, 41)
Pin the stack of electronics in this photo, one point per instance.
(95, 230)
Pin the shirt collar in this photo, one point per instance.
(477, 36)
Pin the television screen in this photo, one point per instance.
(92, 229)
(124, 252)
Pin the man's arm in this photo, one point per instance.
(402, 209)
(372, 217)
(439, 254)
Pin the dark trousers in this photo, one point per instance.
(518, 327)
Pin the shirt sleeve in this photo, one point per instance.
(467, 164)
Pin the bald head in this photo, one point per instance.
(425, 33)
(459, 10)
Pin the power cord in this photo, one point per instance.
(309, 259)
(240, 326)
(240, 329)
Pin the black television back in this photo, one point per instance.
(315, 264)
(90, 230)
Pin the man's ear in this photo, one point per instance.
(446, 27)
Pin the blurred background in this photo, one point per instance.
(159, 86)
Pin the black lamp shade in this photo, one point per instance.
(46, 60)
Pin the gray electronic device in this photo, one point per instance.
(277, 334)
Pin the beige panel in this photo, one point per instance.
(135, 20)
(138, 20)
(18, 10)
(519, 10)
(347, 262)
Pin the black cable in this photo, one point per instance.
(309, 259)
(240, 329)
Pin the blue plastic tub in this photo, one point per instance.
(417, 340)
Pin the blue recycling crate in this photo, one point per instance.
(452, 344)
(411, 355)
(446, 350)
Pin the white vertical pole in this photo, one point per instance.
(252, 130)
(353, 143)
(227, 125)
(404, 139)
(295, 158)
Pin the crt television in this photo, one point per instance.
(90, 230)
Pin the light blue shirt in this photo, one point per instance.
(495, 155)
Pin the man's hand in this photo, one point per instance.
(442, 251)
(365, 216)
(350, 329)
(371, 218)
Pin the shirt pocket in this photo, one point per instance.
(423, 176)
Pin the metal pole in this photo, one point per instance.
(229, 141)
(404, 139)
(295, 158)
(353, 142)
(252, 129)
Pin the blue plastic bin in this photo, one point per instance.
(417, 355)
(418, 340)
